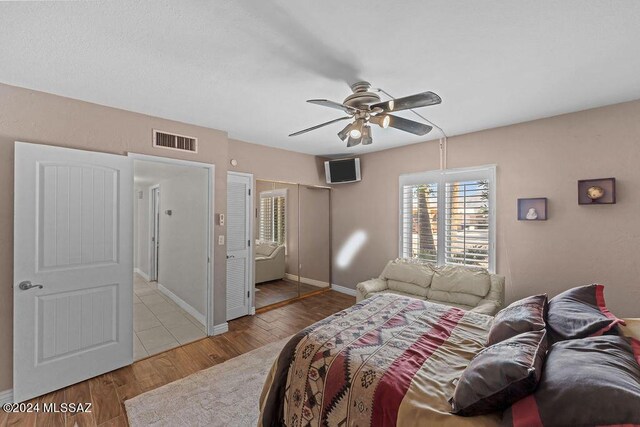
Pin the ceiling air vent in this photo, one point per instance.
(174, 141)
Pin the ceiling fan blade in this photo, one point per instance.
(319, 126)
(418, 100)
(333, 104)
(410, 126)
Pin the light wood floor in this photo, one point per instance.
(277, 291)
(109, 391)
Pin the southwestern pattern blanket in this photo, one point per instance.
(389, 360)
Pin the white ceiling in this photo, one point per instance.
(247, 67)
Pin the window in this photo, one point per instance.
(272, 216)
(447, 217)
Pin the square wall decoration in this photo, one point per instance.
(533, 209)
(601, 191)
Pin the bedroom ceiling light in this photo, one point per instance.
(352, 142)
(381, 120)
(364, 106)
(356, 129)
(366, 135)
(344, 133)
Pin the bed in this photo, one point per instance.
(387, 360)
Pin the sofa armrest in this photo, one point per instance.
(487, 306)
(372, 285)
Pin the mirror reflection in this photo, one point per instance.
(292, 241)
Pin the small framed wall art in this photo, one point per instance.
(533, 209)
(600, 191)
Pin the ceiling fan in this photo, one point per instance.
(364, 107)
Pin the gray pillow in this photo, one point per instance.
(586, 382)
(580, 312)
(527, 314)
(500, 375)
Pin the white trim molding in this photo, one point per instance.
(6, 396)
(221, 328)
(343, 289)
(142, 274)
(183, 305)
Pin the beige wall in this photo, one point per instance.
(543, 158)
(37, 117)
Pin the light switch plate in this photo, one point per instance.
(221, 239)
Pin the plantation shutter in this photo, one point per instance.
(446, 217)
(266, 221)
(420, 222)
(279, 206)
(272, 218)
(467, 223)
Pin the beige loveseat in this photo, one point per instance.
(270, 261)
(473, 289)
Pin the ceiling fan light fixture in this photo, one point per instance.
(381, 120)
(356, 129)
(352, 142)
(366, 135)
(344, 133)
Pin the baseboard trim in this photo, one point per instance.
(144, 275)
(343, 289)
(183, 304)
(221, 328)
(253, 311)
(306, 280)
(6, 396)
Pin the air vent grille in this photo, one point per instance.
(174, 141)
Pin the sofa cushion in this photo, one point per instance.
(465, 280)
(388, 291)
(453, 297)
(417, 274)
(408, 288)
(265, 249)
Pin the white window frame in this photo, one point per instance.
(441, 177)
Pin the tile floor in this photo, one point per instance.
(158, 323)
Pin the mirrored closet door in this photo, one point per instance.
(292, 235)
(315, 239)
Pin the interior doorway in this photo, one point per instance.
(154, 243)
(172, 254)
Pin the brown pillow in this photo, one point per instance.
(527, 314)
(589, 381)
(580, 312)
(500, 375)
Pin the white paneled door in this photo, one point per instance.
(239, 247)
(73, 290)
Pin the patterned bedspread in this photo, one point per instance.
(389, 360)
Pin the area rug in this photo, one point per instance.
(223, 395)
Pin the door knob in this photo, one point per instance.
(28, 285)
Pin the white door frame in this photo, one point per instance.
(154, 228)
(211, 169)
(252, 277)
